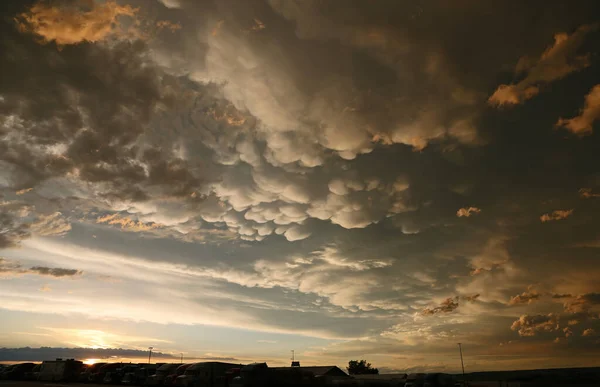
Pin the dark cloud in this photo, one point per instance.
(449, 305)
(13, 267)
(583, 302)
(54, 271)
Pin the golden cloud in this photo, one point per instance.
(587, 193)
(466, 212)
(582, 124)
(556, 215)
(558, 60)
(128, 223)
(74, 24)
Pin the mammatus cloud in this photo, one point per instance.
(12, 267)
(72, 24)
(556, 62)
(467, 212)
(524, 298)
(447, 306)
(556, 215)
(529, 325)
(583, 123)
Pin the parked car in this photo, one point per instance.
(85, 376)
(34, 373)
(171, 378)
(438, 380)
(17, 371)
(161, 374)
(100, 375)
(205, 374)
(115, 375)
(415, 380)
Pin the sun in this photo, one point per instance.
(90, 361)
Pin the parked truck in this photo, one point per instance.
(60, 370)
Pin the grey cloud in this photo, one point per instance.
(13, 267)
(44, 353)
(54, 271)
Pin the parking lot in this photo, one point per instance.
(15, 383)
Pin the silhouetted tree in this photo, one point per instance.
(361, 367)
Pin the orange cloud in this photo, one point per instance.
(556, 215)
(23, 191)
(582, 124)
(524, 298)
(529, 325)
(127, 223)
(467, 211)
(589, 332)
(587, 193)
(74, 24)
(166, 24)
(557, 61)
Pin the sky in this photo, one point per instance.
(373, 180)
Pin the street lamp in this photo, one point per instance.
(149, 354)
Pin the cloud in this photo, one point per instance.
(590, 332)
(568, 332)
(524, 298)
(15, 268)
(583, 123)
(44, 353)
(556, 215)
(72, 24)
(54, 271)
(447, 306)
(587, 193)
(530, 325)
(127, 223)
(556, 62)
(467, 212)
(472, 298)
(562, 295)
(12, 228)
(583, 303)
(50, 225)
(45, 289)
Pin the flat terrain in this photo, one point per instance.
(11, 383)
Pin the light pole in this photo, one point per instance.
(462, 364)
(149, 354)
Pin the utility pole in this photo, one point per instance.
(462, 364)
(149, 354)
(293, 355)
